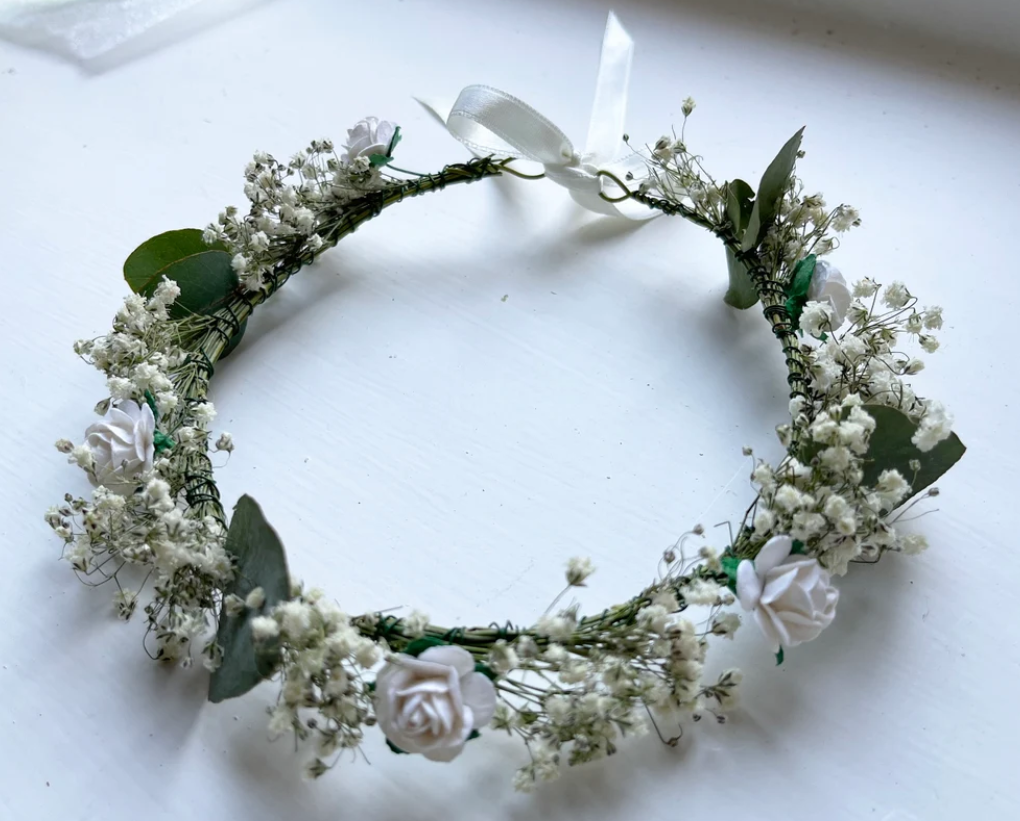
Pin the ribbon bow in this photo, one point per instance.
(490, 121)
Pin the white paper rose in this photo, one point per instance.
(828, 285)
(369, 136)
(791, 596)
(431, 704)
(122, 446)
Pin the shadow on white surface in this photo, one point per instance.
(952, 56)
(103, 36)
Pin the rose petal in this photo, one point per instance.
(456, 657)
(444, 753)
(839, 298)
(384, 134)
(831, 600)
(120, 417)
(479, 695)
(800, 629)
(133, 409)
(748, 585)
(777, 584)
(97, 441)
(393, 675)
(444, 716)
(422, 686)
(763, 617)
(421, 669)
(121, 453)
(799, 599)
(429, 718)
(774, 551)
(97, 431)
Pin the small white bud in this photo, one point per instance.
(663, 148)
(578, 570)
(233, 604)
(264, 628)
(255, 599)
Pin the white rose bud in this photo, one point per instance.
(369, 136)
(432, 703)
(122, 447)
(791, 596)
(828, 285)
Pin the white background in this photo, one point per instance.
(418, 440)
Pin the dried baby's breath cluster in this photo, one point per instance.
(141, 523)
(827, 493)
(296, 208)
(823, 495)
(568, 686)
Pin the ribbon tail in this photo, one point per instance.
(439, 109)
(609, 110)
(606, 128)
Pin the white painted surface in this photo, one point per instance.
(991, 25)
(417, 440)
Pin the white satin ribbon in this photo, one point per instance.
(492, 122)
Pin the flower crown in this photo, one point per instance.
(861, 448)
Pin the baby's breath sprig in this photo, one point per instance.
(831, 493)
(861, 448)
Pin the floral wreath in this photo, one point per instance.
(861, 448)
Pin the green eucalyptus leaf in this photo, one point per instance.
(394, 748)
(203, 273)
(739, 203)
(206, 281)
(780, 656)
(797, 291)
(143, 268)
(259, 562)
(741, 293)
(770, 191)
(890, 447)
(377, 160)
(485, 670)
